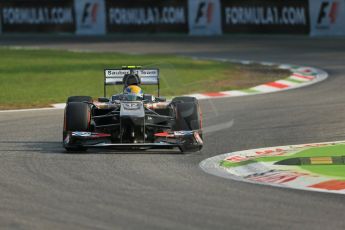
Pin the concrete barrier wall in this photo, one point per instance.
(194, 17)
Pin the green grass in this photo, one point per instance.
(33, 78)
(326, 170)
(336, 150)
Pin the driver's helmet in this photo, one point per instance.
(134, 90)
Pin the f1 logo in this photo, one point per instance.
(331, 12)
(90, 16)
(89, 13)
(204, 17)
(204, 11)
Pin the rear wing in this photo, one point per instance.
(115, 76)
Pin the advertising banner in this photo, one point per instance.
(90, 17)
(265, 16)
(0, 20)
(148, 16)
(37, 16)
(327, 17)
(204, 17)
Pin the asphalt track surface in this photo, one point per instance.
(43, 188)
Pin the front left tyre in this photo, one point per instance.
(188, 118)
(188, 114)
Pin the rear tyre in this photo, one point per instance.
(77, 118)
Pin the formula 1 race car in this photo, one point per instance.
(125, 121)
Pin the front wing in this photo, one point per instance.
(186, 141)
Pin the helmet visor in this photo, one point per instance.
(132, 97)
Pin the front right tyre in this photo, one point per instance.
(77, 118)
